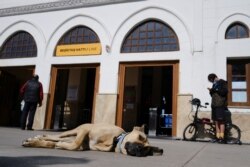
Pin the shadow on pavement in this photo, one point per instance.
(35, 161)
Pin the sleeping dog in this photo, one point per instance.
(98, 137)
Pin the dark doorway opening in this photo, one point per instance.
(146, 88)
(11, 80)
(73, 100)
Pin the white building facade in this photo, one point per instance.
(135, 53)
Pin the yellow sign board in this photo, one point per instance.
(78, 49)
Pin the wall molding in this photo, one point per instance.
(53, 6)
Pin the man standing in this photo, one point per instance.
(218, 93)
(32, 93)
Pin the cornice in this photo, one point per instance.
(53, 6)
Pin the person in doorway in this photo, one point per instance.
(32, 94)
(218, 93)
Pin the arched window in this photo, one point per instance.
(79, 40)
(150, 36)
(19, 45)
(237, 30)
(79, 35)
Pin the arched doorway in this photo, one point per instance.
(20, 44)
(149, 88)
(73, 87)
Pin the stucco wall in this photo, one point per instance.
(105, 108)
(183, 110)
(39, 119)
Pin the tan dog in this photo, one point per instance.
(99, 137)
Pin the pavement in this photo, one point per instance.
(177, 153)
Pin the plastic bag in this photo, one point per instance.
(22, 105)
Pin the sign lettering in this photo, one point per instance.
(78, 49)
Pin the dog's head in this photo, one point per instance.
(136, 144)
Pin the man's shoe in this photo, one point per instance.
(30, 129)
(222, 141)
(215, 140)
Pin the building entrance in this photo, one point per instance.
(73, 97)
(148, 97)
(11, 80)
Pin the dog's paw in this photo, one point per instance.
(25, 143)
(159, 152)
(30, 142)
(58, 145)
(40, 136)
